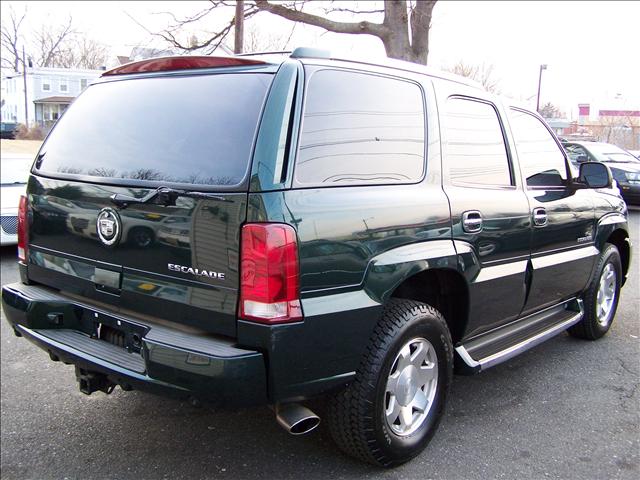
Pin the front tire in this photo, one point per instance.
(390, 412)
(601, 297)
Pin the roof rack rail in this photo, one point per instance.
(276, 52)
(309, 52)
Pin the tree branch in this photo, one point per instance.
(365, 27)
(350, 10)
(10, 39)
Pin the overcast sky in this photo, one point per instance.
(591, 48)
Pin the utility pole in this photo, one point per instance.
(542, 67)
(24, 80)
(239, 27)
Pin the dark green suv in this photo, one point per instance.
(260, 230)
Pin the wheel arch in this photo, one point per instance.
(444, 289)
(613, 228)
(428, 272)
(620, 238)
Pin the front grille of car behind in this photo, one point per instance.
(9, 224)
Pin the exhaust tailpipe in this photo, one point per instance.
(296, 419)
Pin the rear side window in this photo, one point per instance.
(360, 129)
(193, 130)
(475, 151)
(541, 159)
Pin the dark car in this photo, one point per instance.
(8, 130)
(625, 168)
(328, 227)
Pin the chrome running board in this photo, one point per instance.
(522, 346)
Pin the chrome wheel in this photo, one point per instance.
(411, 386)
(606, 296)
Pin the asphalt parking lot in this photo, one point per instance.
(567, 409)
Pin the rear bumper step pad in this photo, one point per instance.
(169, 361)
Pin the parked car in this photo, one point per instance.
(624, 166)
(356, 231)
(14, 172)
(8, 130)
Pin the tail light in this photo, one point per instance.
(269, 285)
(23, 229)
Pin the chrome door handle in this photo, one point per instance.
(540, 217)
(472, 221)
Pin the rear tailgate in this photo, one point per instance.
(177, 261)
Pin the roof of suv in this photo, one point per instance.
(306, 55)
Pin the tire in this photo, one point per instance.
(356, 416)
(595, 322)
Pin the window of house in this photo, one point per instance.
(46, 85)
(361, 129)
(475, 150)
(64, 86)
(541, 159)
(83, 83)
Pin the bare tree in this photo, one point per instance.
(615, 129)
(256, 40)
(404, 29)
(50, 46)
(483, 74)
(49, 43)
(549, 110)
(81, 51)
(10, 36)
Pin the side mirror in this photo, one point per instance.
(582, 158)
(595, 175)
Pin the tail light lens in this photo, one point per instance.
(23, 229)
(269, 285)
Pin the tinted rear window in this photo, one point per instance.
(194, 130)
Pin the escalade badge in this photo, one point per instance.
(108, 226)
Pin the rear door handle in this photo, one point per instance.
(472, 221)
(540, 217)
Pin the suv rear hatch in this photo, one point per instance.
(175, 255)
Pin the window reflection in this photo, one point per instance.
(475, 148)
(541, 159)
(361, 129)
(195, 130)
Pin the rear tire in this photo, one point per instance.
(391, 410)
(601, 297)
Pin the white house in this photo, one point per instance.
(49, 93)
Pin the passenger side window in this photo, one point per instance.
(541, 159)
(360, 129)
(475, 150)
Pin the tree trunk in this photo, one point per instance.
(239, 27)
(396, 37)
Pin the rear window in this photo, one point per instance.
(189, 130)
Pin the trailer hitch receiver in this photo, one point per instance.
(90, 382)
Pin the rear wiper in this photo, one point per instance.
(161, 196)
